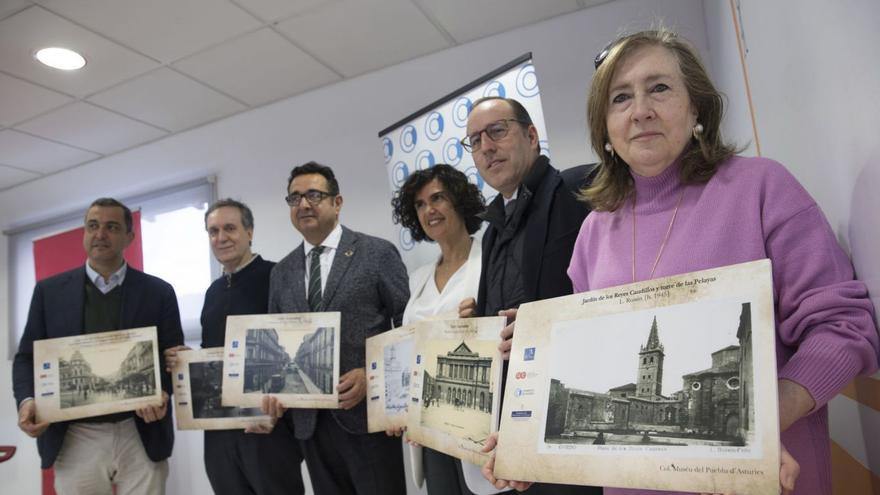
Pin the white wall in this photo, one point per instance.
(252, 153)
(814, 76)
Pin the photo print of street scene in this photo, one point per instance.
(673, 376)
(205, 379)
(289, 362)
(397, 364)
(122, 371)
(457, 388)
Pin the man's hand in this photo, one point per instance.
(488, 469)
(395, 432)
(467, 308)
(171, 356)
(262, 428)
(507, 332)
(352, 388)
(272, 407)
(27, 419)
(153, 413)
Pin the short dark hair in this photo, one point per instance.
(315, 168)
(113, 203)
(247, 216)
(466, 198)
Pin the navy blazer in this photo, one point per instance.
(368, 285)
(550, 226)
(57, 310)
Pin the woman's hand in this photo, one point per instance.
(489, 469)
(507, 332)
(171, 356)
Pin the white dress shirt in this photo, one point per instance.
(105, 286)
(330, 243)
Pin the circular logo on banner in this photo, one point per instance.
(495, 88)
(460, 110)
(452, 151)
(424, 160)
(474, 176)
(399, 173)
(408, 138)
(527, 81)
(406, 240)
(388, 147)
(544, 147)
(434, 126)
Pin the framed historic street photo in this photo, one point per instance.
(390, 358)
(294, 357)
(95, 374)
(197, 380)
(455, 393)
(667, 384)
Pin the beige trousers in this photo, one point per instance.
(96, 456)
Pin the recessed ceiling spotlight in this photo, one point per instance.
(61, 58)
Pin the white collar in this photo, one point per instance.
(331, 241)
(115, 278)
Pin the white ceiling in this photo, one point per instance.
(158, 67)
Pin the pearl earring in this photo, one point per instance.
(609, 149)
(698, 129)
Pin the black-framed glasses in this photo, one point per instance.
(494, 131)
(313, 196)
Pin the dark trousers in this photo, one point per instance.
(343, 463)
(443, 474)
(241, 463)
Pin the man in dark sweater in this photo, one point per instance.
(533, 223)
(238, 462)
(126, 450)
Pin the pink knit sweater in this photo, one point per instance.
(751, 209)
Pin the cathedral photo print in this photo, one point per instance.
(672, 376)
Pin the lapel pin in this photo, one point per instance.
(349, 253)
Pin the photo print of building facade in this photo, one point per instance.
(397, 365)
(289, 362)
(457, 389)
(96, 376)
(688, 381)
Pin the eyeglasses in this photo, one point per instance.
(313, 196)
(494, 131)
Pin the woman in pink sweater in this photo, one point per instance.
(671, 197)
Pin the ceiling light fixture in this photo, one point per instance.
(61, 58)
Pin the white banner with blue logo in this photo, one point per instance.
(433, 136)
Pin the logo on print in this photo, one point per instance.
(373, 365)
(418, 359)
(529, 354)
(388, 149)
(46, 366)
(408, 138)
(235, 344)
(434, 126)
(180, 376)
(527, 81)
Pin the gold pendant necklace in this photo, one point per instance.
(665, 237)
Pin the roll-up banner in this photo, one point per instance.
(433, 135)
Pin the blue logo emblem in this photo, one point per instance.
(527, 81)
(388, 148)
(434, 126)
(424, 160)
(373, 365)
(460, 110)
(418, 358)
(408, 138)
(474, 177)
(495, 88)
(518, 392)
(452, 151)
(180, 376)
(529, 354)
(521, 414)
(399, 173)
(406, 240)
(46, 366)
(235, 344)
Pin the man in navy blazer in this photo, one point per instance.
(363, 277)
(128, 450)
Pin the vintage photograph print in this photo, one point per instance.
(294, 357)
(390, 357)
(676, 376)
(454, 408)
(198, 379)
(665, 384)
(95, 374)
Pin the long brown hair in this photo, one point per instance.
(703, 154)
